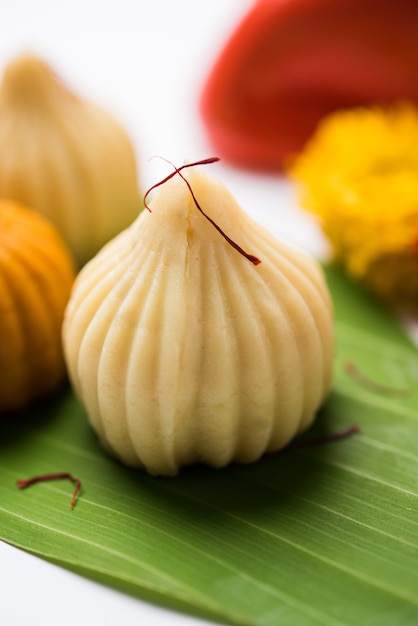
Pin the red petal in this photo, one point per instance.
(290, 62)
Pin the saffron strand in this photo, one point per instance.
(178, 170)
(23, 484)
(352, 370)
(254, 260)
(330, 438)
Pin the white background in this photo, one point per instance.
(146, 62)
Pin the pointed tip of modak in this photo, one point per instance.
(189, 189)
(27, 77)
(202, 204)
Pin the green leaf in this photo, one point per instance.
(323, 534)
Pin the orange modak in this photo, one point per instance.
(36, 275)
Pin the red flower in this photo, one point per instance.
(290, 62)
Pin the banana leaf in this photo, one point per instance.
(325, 533)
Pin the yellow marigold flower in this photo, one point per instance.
(359, 175)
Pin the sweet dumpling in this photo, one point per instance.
(184, 351)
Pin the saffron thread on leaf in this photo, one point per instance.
(178, 170)
(22, 484)
(339, 435)
(323, 439)
(352, 370)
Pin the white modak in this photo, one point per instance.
(184, 351)
(65, 157)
